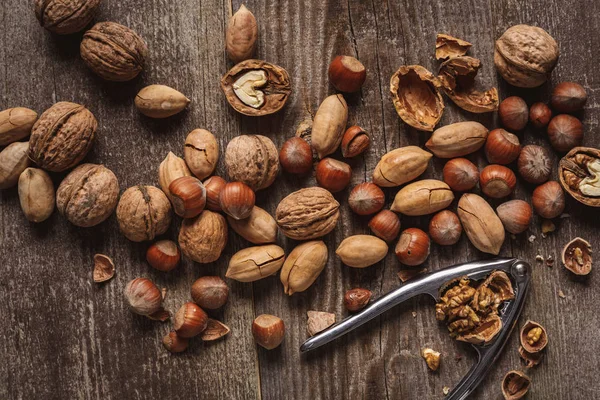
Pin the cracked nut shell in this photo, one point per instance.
(422, 197)
(16, 124)
(481, 224)
(201, 152)
(457, 140)
(577, 256)
(143, 213)
(64, 17)
(254, 263)
(253, 160)
(361, 251)
(578, 172)
(303, 266)
(515, 385)
(13, 161)
(203, 238)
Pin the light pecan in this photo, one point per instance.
(160, 101)
(456, 140)
(422, 197)
(303, 266)
(329, 125)
(203, 238)
(201, 152)
(241, 35)
(259, 228)
(36, 194)
(481, 224)
(171, 168)
(13, 161)
(360, 251)
(254, 263)
(16, 124)
(400, 166)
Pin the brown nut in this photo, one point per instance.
(385, 225)
(460, 174)
(214, 330)
(447, 46)
(548, 200)
(515, 215)
(513, 113)
(318, 321)
(36, 194)
(190, 320)
(347, 74)
(568, 97)
(143, 297)
(88, 195)
(213, 186)
(241, 35)
(175, 343)
(456, 140)
(481, 224)
(497, 181)
(354, 142)
(416, 97)
(62, 136)
(533, 337)
(329, 124)
(65, 17)
(578, 172)
(201, 152)
(413, 247)
(143, 213)
(104, 268)
(13, 161)
(565, 132)
(188, 196)
(254, 263)
(113, 51)
(16, 124)
(303, 266)
(163, 255)
(502, 147)
(445, 228)
(534, 164)
(432, 358)
(333, 175)
(539, 115)
(171, 168)
(577, 256)
(525, 55)
(256, 87)
(515, 385)
(296, 156)
(530, 359)
(203, 238)
(401, 165)
(366, 198)
(361, 251)
(160, 101)
(259, 228)
(268, 331)
(422, 197)
(210, 292)
(237, 200)
(357, 299)
(253, 160)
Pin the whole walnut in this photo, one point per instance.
(62, 136)
(203, 238)
(143, 213)
(88, 195)
(253, 160)
(525, 55)
(65, 16)
(113, 51)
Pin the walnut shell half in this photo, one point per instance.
(484, 333)
(579, 175)
(533, 337)
(256, 87)
(577, 256)
(64, 17)
(515, 385)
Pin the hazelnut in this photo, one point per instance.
(461, 174)
(354, 141)
(515, 215)
(568, 97)
(333, 175)
(502, 147)
(534, 164)
(357, 299)
(104, 268)
(515, 385)
(213, 186)
(513, 113)
(143, 213)
(175, 343)
(143, 297)
(413, 247)
(577, 256)
(565, 132)
(445, 228)
(497, 181)
(188, 196)
(210, 292)
(347, 74)
(190, 320)
(385, 225)
(548, 200)
(533, 337)
(163, 255)
(268, 331)
(237, 200)
(539, 115)
(366, 198)
(296, 156)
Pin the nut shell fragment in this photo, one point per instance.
(515, 385)
(400, 166)
(577, 256)
(319, 321)
(484, 333)
(214, 330)
(254, 263)
(447, 46)
(104, 268)
(423, 197)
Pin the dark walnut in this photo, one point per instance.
(416, 97)
(143, 212)
(113, 51)
(65, 16)
(457, 76)
(255, 87)
(579, 174)
(253, 160)
(88, 195)
(577, 256)
(62, 136)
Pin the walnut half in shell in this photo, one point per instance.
(255, 87)
(577, 256)
(533, 337)
(579, 174)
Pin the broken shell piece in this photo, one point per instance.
(530, 359)
(432, 358)
(416, 97)
(485, 332)
(547, 226)
(407, 274)
(161, 315)
(447, 46)
(515, 385)
(104, 268)
(533, 337)
(214, 330)
(446, 390)
(319, 321)
(457, 77)
(577, 256)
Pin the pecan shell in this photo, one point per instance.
(303, 266)
(481, 224)
(422, 197)
(400, 166)
(16, 124)
(13, 161)
(456, 140)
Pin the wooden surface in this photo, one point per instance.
(64, 337)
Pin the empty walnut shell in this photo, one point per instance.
(253, 160)
(533, 337)
(515, 385)
(416, 97)
(65, 16)
(457, 76)
(255, 87)
(447, 46)
(577, 256)
(113, 51)
(579, 175)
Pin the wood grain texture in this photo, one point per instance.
(65, 337)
